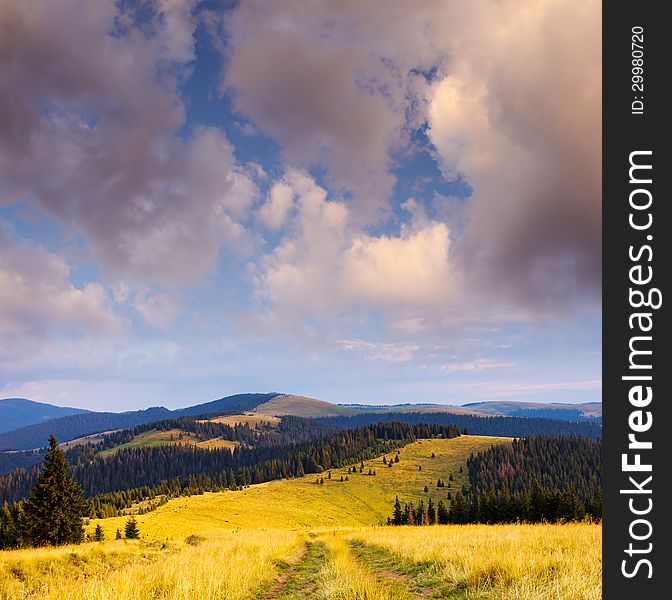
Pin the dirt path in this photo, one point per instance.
(300, 581)
(410, 580)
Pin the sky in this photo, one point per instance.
(359, 201)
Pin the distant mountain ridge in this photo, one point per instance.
(85, 423)
(74, 426)
(21, 412)
(587, 411)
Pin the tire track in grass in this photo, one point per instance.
(419, 580)
(300, 581)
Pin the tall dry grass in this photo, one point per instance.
(228, 566)
(503, 562)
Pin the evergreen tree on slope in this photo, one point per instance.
(54, 511)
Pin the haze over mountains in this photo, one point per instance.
(26, 424)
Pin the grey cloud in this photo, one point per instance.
(332, 85)
(89, 134)
(338, 84)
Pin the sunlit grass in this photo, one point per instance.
(302, 504)
(506, 562)
(240, 542)
(173, 437)
(227, 566)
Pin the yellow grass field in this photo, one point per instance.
(298, 539)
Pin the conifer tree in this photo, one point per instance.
(431, 513)
(99, 534)
(117, 535)
(10, 531)
(441, 513)
(55, 508)
(131, 531)
(397, 519)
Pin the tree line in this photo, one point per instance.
(477, 425)
(537, 479)
(541, 505)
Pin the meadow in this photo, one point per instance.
(154, 437)
(302, 539)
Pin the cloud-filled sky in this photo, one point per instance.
(361, 201)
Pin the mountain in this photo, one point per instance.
(301, 406)
(238, 403)
(588, 411)
(74, 426)
(79, 425)
(20, 412)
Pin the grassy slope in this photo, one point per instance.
(295, 539)
(301, 406)
(302, 504)
(163, 438)
(248, 418)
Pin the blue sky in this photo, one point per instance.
(358, 202)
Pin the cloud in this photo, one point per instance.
(479, 364)
(159, 309)
(274, 211)
(384, 352)
(330, 84)
(88, 132)
(341, 85)
(324, 265)
(522, 123)
(37, 297)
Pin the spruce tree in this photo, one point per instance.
(131, 531)
(441, 513)
(117, 535)
(431, 513)
(397, 519)
(10, 530)
(99, 534)
(55, 508)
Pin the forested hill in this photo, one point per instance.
(538, 479)
(477, 425)
(236, 404)
(554, 463)
(75, 426)
(290, 452)
(80, 425)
